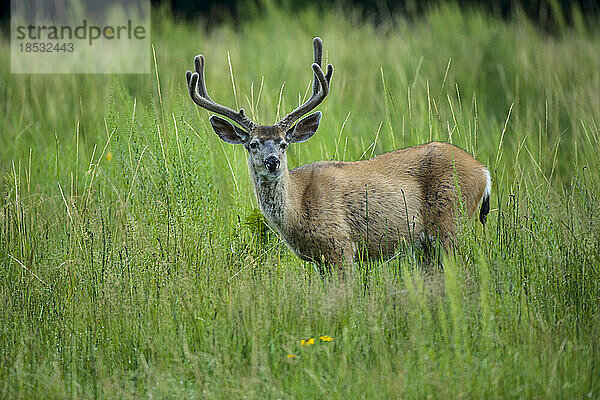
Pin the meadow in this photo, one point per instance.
(134, 261)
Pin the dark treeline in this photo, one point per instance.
(550, 15)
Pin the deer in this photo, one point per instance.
(331, 212)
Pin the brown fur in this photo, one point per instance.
(331, 211)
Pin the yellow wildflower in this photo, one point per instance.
(326, 338)
(291, 356)
(307, 342)
(109, 156)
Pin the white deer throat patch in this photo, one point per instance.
(271, 199)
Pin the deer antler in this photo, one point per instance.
(320, 87)
(199, 94)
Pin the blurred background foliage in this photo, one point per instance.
(549, 15)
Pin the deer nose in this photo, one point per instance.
(271, 163)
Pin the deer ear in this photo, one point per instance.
(228, 132)
(304, 129)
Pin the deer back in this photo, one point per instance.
(379, 203)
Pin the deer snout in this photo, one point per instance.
(271, 163)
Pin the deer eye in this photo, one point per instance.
(283, 146)
(254, 145)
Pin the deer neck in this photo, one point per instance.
(275, 196)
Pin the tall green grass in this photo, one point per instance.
(135, 263)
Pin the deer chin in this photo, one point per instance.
(264, 176)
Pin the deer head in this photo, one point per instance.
(266, 144)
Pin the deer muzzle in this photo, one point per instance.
(271, 163)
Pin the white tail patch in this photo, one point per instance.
(484, 203)
(488, 183)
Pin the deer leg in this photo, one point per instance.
(341, 259)
(433, 248)
(348, 252)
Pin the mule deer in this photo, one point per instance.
(329, 211)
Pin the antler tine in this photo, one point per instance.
(198, 93)
(320, 86)
(317, 58)
(199, 65)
